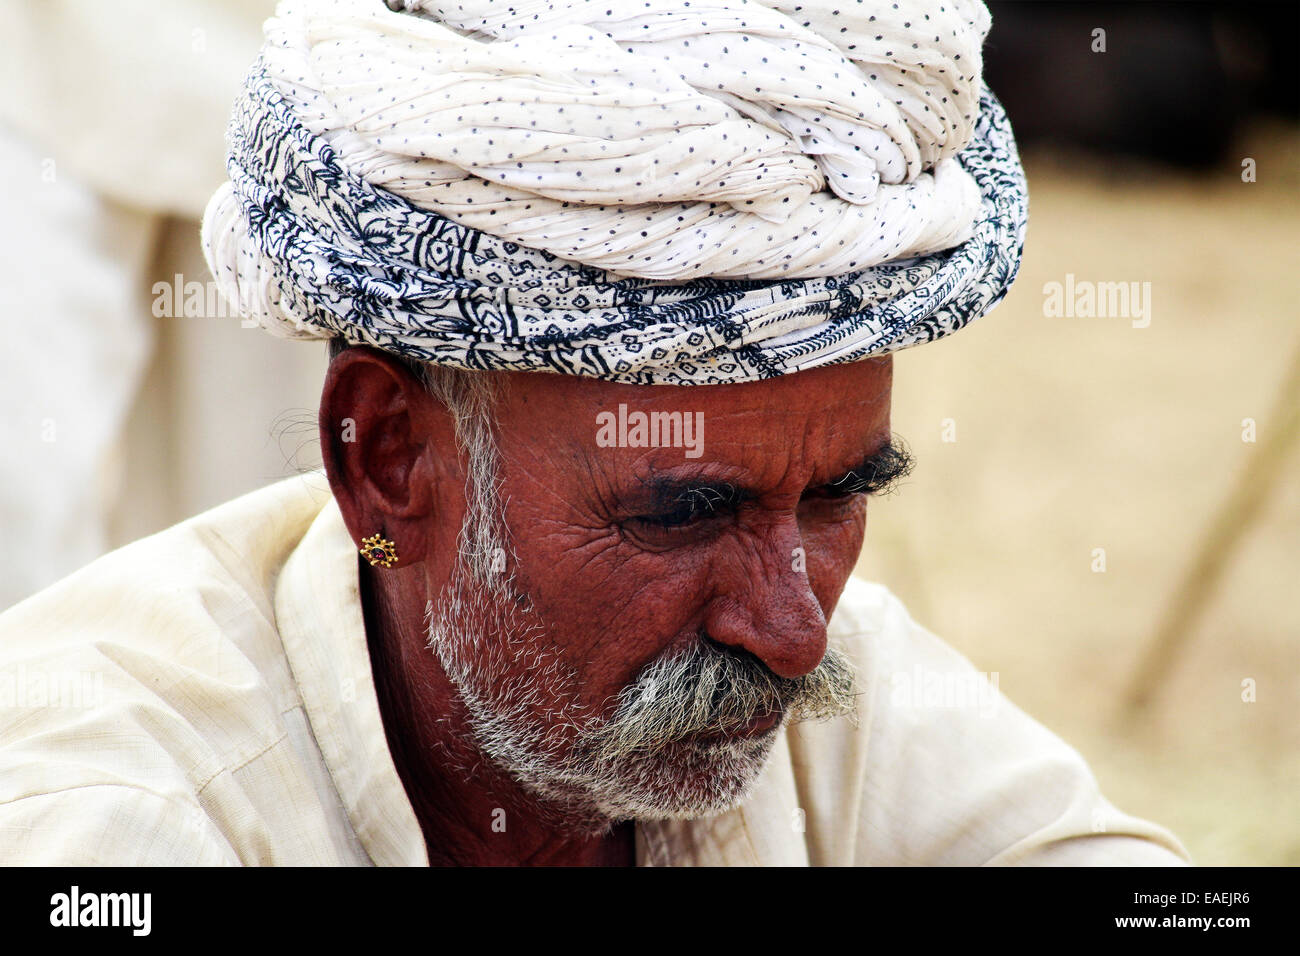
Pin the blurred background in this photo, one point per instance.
(1105, 511)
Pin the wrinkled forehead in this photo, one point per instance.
(800, 427)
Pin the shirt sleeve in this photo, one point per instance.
(108, 825)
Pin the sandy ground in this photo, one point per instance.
(1073, 434)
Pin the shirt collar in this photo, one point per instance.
(318, 612)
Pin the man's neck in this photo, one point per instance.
(471, 813)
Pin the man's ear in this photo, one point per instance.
(385, 443)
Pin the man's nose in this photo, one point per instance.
(766, 606)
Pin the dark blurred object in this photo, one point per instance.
(1175, 82)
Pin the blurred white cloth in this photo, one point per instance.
(204, 696)
(117, 423)
(77, 335)
(132, 96)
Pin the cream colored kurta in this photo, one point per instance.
(204, 696)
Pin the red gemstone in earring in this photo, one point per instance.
(378, 550)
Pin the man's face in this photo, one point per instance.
(668, 605)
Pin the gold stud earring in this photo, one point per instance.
(378, 550)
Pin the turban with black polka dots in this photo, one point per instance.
(646, 191)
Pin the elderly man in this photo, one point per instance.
(610, 290)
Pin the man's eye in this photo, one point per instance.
(843, 491)
(676, 518)
(696, 505)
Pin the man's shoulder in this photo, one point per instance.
(937, 765)
(178, 596)
(150, 676)
(137, 591)
(861, 607)
(906, 673)
(874, 628)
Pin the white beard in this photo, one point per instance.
(644, 762)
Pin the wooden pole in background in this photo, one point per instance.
(1237, 514)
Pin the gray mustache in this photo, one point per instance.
(709, 688)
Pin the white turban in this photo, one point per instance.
(570, 185)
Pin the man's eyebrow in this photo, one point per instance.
(877, 473)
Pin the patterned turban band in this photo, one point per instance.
(644, 191)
